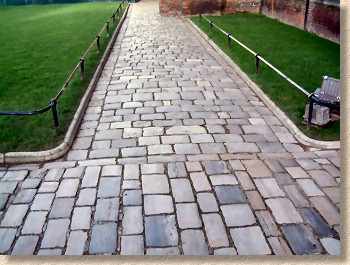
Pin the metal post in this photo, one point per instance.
(257, 64)
(229, 42)
(98, 43)
(54, 113)
(211, 27)
(200, 18)
(113, 18)
(118, 12)
(107, 28)
(82, 69)
(311, 108)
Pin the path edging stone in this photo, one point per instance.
(301, 137)
(64, 147)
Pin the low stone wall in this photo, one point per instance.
(322, 18)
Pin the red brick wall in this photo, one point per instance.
(323, 19)
(193, 7)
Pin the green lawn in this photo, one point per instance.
(302, 56)
(40, 46)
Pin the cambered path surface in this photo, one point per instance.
(176, 155)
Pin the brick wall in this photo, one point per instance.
(323, 16)
(193, 7)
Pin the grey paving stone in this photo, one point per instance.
(158, 204)
(132, 197)
(3, 200)
(76, 243)
(182, 191)
(7, 236)
(297, 172)
(186, 149)
(15, 175)
(296, 196)
(161, 231)
(42, 202)
(284, 211)
(81, 218)
(163, 251)
(255, 200)
(25, 196)
(49, 252)
(316, 222)
(108, 187)
(309, 187)
(300, 239)
(132, 245)
(131, 171)
(215, 167)
(55, 234)
(103, 239)
(225, 251)
(215, 230)
(238, 215)
(323, 178)
(267, 223)
(34, 223)
(230, 194)
(25, 245)
(47, 187)
(193, 243)
(279, 246)
(200, 181)
(177, 170)
(188, 215)
(152, 140)
(14, 215)
(155, 184)
(268, 187)
(62, 207)
(245, 180)
(68, 188)
(242, 147)
(73, 172)
(107, 210)
(331, 245)
(86, 197)
(30, 183)
(217, 180)
(134, 151)
(152, 169)
(328, 211)
(8, 187)
(252, 237)
(91, 176)
(193, 129)
(131, 185)
(132, 220)
(283, 178)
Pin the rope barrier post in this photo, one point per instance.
(211, 27)
(118, 12)
(257, 64)
(200, 18)
(107, 23)
(98, 43)
(113, 18)
(229, 42)
(311, 108)
(54, 113)
(82, 69)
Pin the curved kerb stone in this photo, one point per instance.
(64, 147)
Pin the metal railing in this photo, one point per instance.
(81, 65)
(256, 55)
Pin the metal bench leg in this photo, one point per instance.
(311, 107)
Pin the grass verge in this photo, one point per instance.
(302, 56)
(40, 47)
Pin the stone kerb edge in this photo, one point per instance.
(64, 147)
(301, 137)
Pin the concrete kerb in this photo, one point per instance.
(302, 138)
(64, 147)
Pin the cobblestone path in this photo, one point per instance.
(175, 155)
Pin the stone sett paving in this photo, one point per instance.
(175, 155)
